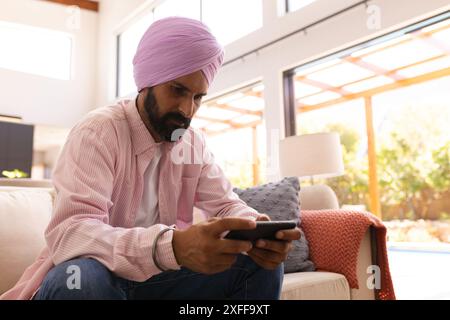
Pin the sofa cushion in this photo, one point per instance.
(280, 201)
(315, 286)
(24, 215)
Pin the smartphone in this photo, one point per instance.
(263, 230)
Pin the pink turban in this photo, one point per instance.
(174, 47)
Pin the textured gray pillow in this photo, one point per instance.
(280, 201)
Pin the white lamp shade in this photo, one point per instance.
(312, 155)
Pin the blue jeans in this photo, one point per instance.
(244, 280)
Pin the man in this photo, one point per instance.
(122, 223)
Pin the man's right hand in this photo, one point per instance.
(200, 248)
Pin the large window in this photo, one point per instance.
(235, 119)
(388, 98)
(228, 20)
(36, 51)
(294, 5)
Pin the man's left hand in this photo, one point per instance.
(270, 253)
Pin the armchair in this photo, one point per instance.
(326, 284)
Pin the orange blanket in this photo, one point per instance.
(334, 238)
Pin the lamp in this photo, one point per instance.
(312, 155)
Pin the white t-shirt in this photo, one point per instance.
(148, 212)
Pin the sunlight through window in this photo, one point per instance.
(35, 51)
(294, 5)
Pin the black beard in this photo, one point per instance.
(163, 126)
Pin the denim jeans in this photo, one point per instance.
(244, 280)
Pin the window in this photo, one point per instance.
(413, 157)
(294, 5)
(236, 119)
(36, 51)
(127, 45)
(232, 19)
(391, 109)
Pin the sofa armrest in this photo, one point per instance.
(365, 259)
(343, 242)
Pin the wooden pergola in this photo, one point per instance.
(410, 59)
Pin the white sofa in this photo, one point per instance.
(25, 212)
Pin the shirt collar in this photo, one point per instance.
(141, 138)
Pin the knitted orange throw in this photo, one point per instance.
(334, 238)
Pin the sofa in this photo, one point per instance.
(26, 207)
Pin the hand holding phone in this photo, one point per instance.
(264, 230)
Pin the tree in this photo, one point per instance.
(352, 187)
(399, 174)
(439, 176)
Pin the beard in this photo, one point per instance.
(165, 125)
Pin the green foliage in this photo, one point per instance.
(439, 176)
(349, 137)
(14, 174)
(241, 175)
(399, 171)
(444, 216)
(411, 173)
(351, 188)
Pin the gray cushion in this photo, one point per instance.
(280, 201)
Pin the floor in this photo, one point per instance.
(420, 273)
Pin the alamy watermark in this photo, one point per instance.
(374, 19)
(374, 280)
(74, 280)
(73, 21)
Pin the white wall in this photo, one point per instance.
(41, 100)
(335, 34)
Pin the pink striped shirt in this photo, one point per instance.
(99, 185)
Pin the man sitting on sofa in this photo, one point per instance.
(122, 222)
